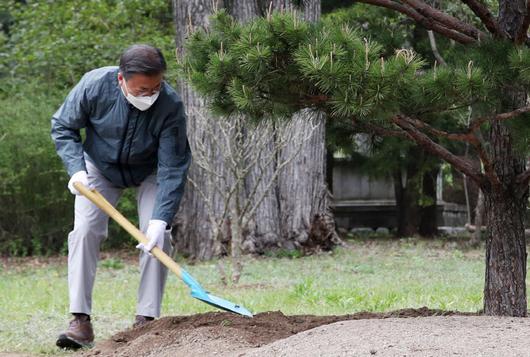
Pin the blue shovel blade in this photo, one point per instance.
(222, 303)
(199, 293)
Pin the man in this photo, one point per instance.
(135, 128)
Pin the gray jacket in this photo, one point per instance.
(124, 143)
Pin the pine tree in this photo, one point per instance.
(413, 171)
(298, 202)
(272, 67)
(282, 221)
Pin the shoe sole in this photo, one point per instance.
(69, 343)
(142, 324)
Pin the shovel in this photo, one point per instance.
(197, 290)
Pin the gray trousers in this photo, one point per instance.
(91, 228)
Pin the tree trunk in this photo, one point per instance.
(329, 169)
(303, 193)
(428, 226)
(406, 191)
(412, 185)
(300, 199)
(264, 231)
(194, 233)
(304, 181)
(505, 289)
(244, 10)
(193, 229)
(505, 286)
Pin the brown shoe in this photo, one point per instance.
(140, 320)
(79, 333)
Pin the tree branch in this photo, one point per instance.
(445, 19)
(428, 23)
(485, 16)
(475, 124)
(368, 127)
(434, 48)
(428, 144)
(469, 137)
(216, 224)
(417, 124)
(488, 165)
(465, 137)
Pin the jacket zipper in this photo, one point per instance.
(124, 136)
(129, 151)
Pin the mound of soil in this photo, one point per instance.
(433, 336)
(226, 334)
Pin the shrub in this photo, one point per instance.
(57, 41)
(36, 208)
(46, 48)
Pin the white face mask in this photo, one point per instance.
(142, 103)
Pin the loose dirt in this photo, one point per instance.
(267, 334)
(440, 336)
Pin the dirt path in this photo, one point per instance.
(225, 334)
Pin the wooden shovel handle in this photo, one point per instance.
(97, 198)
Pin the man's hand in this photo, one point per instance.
(155, 232)
(79, 176)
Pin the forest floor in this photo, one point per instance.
(366, 286)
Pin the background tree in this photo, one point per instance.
(333, 70)
(298, 202)
(265, 230)
(243, 151)
(194, 233)
(414, 172)
(39, 31)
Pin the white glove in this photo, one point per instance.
(155, 232)
(79, 176)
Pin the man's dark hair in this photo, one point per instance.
(142, 59)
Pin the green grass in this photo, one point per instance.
(368, 275)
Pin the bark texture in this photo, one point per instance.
(264, 231)
(511, 16)
(299, 202)
(244, 11)
(505, 286)
(299, 199)
(306, 218)
(194, 236)
(302, 188)
(505, 289)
